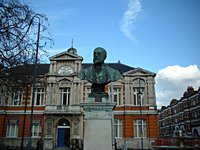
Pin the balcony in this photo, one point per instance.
(63, 109)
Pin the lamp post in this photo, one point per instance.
(24, 121)
(34, 82)
(1, 63)
(141, 122)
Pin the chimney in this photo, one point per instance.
(189, 92)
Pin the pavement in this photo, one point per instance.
(60, 148)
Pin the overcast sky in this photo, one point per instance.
(162, 36)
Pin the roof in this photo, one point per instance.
(41, 68)
(29, 69)
(44, 68)
(118, 66)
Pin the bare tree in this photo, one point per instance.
(23, 36)
(18, 33)
(20, 28)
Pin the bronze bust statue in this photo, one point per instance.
(99, 74)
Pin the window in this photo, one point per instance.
(36, 130)
(118, 128)
(39, 96)
(88, 91)
(12, 128)
(1, 96)
(193, 102)
(16, 97)
(1, 99)
(139, 128)
(116, 95)
(65, 96)
(136, 97)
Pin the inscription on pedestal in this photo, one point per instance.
(98, 125)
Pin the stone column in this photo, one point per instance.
(98, 125)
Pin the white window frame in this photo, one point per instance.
(39, 96)
(16, 98)
(88, 91)
(36, 130)
(116, 96)
(65, 96)
(138, 133)
(136, 98)
(12, 130)
(118, 132)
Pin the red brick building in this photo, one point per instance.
(57, 115)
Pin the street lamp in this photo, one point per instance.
(141, 123)
(34, 81)
(1, 63)
(24, 121)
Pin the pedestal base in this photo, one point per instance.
(98, 125)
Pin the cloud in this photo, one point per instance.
(172, 82)
(128, 19)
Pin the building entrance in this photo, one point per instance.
(63, 133)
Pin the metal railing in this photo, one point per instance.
(178, 142)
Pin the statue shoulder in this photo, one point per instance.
(112, 70)
(114, 73)
(84, 73)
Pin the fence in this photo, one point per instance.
(178, 142)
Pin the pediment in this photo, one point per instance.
(140, 72)
(65, 56)
(64, 82)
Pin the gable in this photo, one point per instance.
(65, 56)
(139, 72)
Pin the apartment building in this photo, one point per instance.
(181, 117)
(57, 116)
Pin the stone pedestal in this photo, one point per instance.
(98, 125)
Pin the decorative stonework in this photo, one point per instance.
(98, 110)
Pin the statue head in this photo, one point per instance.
(99, 55)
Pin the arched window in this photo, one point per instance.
(195, 133)
(64, 122)
(138, 92)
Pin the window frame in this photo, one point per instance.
(12, 129)
(36, 128)
(118, 128)
(88, 91)
(137, 128)
(136, 98)
(65, 96)
(16, 97)
(39, 96)
(115, 94)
